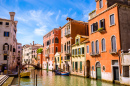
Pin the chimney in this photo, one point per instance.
(12, 14)
(33, 43)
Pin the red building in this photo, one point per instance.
(51, 45)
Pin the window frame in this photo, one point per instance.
(115, 43)
(101, 3)
(110, 19)
(104, 44)
(87, 48)
(97, 46)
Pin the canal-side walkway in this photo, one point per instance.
(49, 78)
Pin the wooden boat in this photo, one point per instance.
(57, 72)
(65, 73)
(25, 74)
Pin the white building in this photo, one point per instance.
(30, 53)
(8, 42)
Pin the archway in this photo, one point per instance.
(88, 68)
(98, 70)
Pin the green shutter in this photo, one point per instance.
(80, 65)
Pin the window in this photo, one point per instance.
(82, 50)
(103, 45)
(18, 47)
(102, 23)
(97, 46)
(73, 65)
(1, 23)
(80, 65)
(7, 23)
(61, 33)
(56, 40)
(43, 44)
(77, 40)
(125, 71)
(94, 27)
(62, 48)
(56, 49)
(6, 46)
(75, 51)
(65, 47)
(87, 49)
(6, 34)
(79, 51)
(5, 57)
(61, 58)
(112, 21)
(92, 47)
(76, 66)
(72, 52)
(58, 59)
(100, 3)
(113, 43)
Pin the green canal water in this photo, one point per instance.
(49, 78)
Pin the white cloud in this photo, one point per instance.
(57, 17)
(64, 15)
(41, 31)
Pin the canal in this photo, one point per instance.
(50, 79)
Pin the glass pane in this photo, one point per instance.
(115, 62)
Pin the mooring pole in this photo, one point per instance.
(19, 75)
(36, 79)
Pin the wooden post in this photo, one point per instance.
(18, 76)
(36, 79)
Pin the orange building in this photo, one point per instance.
(51, 45)
(106, 36)
(68, 33)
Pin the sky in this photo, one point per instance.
(37, 17)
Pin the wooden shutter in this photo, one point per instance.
(96, 26)
(81, 65)
(104, 24)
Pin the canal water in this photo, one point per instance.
(49, 78)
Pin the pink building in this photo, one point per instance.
(51, 45)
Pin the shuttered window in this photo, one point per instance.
(92, 47)
(112, 21)
(76, 66)
(103, 45)
(113, 43)
(82, 50)
(97, 46)
(102, 24)
(100, 3)
(87, 49)
(80, 65)
(94, 27)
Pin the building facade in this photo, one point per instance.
(107, 39)
(51, 45)
(79, 56)
(19, 53)
(8, 43)
(68, 33)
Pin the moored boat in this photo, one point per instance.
(25, 74)
(65, 73)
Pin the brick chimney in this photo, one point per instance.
(12, 14)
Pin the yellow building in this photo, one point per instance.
(78, 55)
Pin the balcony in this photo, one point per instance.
(94, 54)
(92, 14)
(67, 34)
(5, 52)
(113, 52)
(67, 52)
(46, 55)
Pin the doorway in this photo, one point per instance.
(115, 73)
(98, 70)
(88, 68)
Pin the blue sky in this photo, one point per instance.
(38, 17)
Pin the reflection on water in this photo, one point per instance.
(49, 79)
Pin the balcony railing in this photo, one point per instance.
(94, 53)
(113, 51)
(46, 55)
(67, 34)
(5, 52)
(67, 52)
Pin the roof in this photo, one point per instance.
(5, 19)
(51, 31)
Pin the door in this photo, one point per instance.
(88, 68)
(98, 69)
(116, 73)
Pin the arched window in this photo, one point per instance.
(97, 46)
(56, 40)
(6, 46)
(113, 43)
(98, 64)
(92, 47)
(103, 45)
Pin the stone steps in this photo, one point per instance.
(8, 81)
(3, 78)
